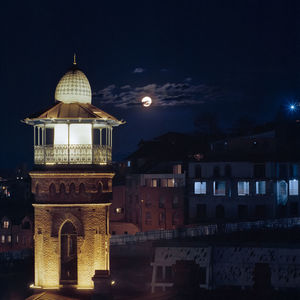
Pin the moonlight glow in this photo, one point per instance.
(146, 101)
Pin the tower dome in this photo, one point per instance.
(74, 87)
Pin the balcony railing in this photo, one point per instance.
(72, 154)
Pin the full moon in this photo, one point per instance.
(146, 101)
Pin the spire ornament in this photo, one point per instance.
(74, 60)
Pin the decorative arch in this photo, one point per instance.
(52, 189)
(72, 188)
(81, 188)
(58, 220)
(62, 189)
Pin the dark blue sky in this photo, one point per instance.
(231, 58)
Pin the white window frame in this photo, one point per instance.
(293, 187)
(258, 187)
(201, 190)
(245, 185)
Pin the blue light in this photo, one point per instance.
(292, 107)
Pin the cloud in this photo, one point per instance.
(139, 70)
(165, 95)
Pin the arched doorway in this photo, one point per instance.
(68, 254)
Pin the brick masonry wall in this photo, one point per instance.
(89, 215)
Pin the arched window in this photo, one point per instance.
(72, 188)
(62, 189)
(81, 188)
(52, 189)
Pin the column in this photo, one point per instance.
(111, 130)
(92, 143)
(34, 138)
(44, 142)
(38, 128)
(68, 142)
(106, 138)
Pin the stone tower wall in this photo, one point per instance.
(88, 214)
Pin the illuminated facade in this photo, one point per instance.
(72, 184)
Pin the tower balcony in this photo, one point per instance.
(72, 154)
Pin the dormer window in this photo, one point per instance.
(5, 224)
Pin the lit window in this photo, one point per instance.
(219, 188)
(128, 163)
(293, 187)
(154, 183)
(260, 187)
(243, 188)
(9, 238)
(2, 238)
(17, 239)
(80, 134)
(170, 182)
(60, 134)
(200, 187)
(119, 210)
(6, 224)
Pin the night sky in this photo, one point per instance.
(230, 58)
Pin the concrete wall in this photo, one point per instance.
(231, 266)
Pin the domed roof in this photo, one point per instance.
(74, 87)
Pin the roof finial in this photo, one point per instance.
(74, 61)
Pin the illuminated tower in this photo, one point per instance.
(72, 184)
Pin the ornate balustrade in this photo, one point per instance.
(72, 154)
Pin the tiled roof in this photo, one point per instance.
(76, 110)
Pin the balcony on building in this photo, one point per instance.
(73, 133)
